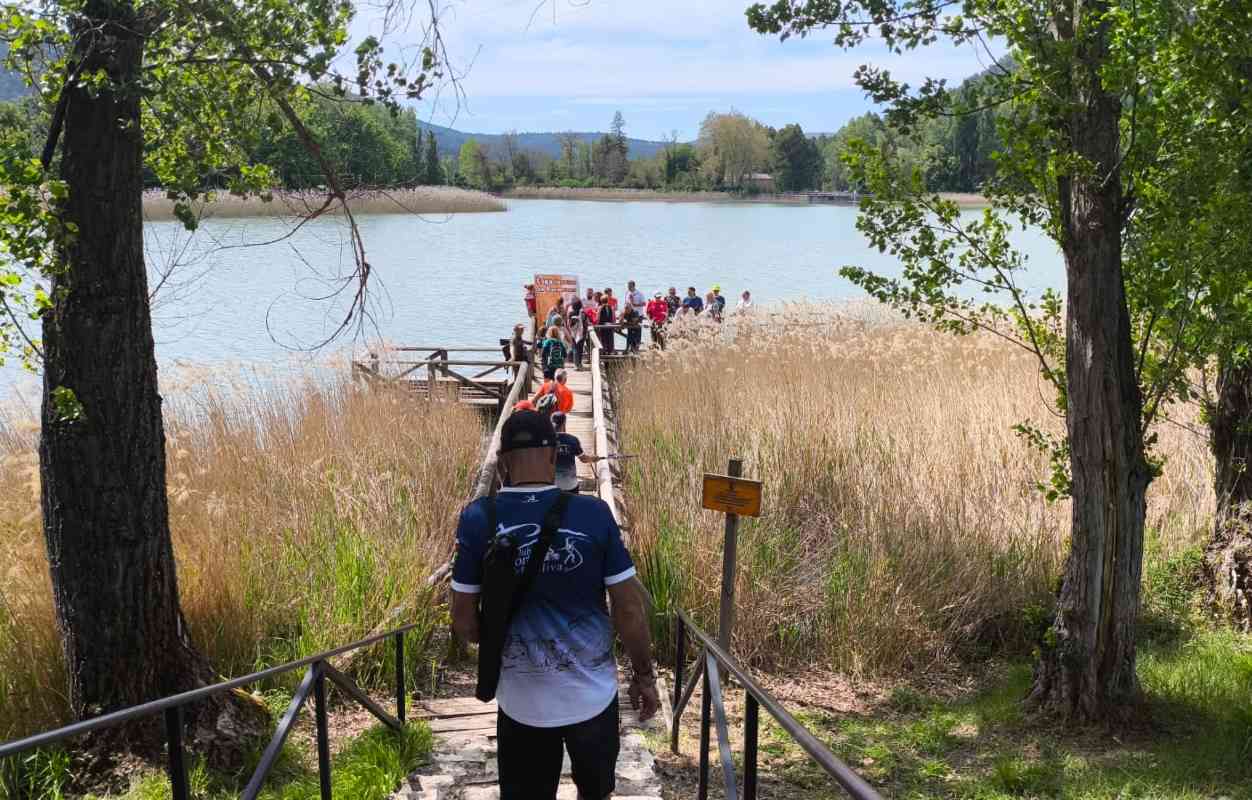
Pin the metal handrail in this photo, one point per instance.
(313, 683)
(712, 657)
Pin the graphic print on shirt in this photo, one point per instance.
(585, 645)
(558, 560)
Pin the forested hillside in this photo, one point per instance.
(450, 140)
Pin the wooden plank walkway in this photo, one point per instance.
(579, 423)
(463, 764)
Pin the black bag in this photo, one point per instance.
(504, 590)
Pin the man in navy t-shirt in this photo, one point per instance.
(558, 677)
(569, 451)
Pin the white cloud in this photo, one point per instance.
(654, 53)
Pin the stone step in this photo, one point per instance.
(463, 765)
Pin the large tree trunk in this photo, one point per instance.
(1228, 557)
(102, 449)
(1086, 670)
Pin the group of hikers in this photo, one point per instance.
(599, 313)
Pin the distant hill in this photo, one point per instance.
(450, 141)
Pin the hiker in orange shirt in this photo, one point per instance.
(564, 397)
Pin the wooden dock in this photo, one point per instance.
(465, 374)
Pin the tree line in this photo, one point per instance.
(375, 145)
(951, 154)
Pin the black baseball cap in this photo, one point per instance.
(527, 429)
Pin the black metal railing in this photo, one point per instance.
(712, 659)
(314, 683)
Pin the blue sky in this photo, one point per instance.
(569, 64)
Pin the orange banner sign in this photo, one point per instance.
(550, 287)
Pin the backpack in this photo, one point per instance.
(554, 353)
(504, 590)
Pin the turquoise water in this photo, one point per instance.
(229, 301)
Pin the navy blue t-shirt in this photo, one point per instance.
(693, 303)
(568, 448)
(558, 666)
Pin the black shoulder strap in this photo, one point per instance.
(491, 517)
(551, 521)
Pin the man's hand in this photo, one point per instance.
(644, 699)
(630, 617)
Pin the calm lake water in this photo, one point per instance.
(230, 301)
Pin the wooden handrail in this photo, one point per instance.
(604, 475)
(521, 384)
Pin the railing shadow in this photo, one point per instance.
(317, 671)
(709, 665)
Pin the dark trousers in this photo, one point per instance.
(606, 340)
(530, 758)
(579, 346)
(634, 338)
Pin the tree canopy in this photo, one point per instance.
(1091, 130)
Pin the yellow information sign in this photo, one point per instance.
(732, 495)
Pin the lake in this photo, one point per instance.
(226, 300)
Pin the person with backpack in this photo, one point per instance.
(552, 353)
(557, 388)
(532, 568)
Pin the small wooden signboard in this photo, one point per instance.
(732, 495)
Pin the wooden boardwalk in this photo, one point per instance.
(463, 764)
(579, 422)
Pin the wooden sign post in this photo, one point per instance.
(737, 497)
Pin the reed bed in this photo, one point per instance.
(619, 195)
(903, 524)
(416, 200)
(300, 515)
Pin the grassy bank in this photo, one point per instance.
(659, 195)
(300, 516)
(903, 527)
(968, 739)
(419, 200)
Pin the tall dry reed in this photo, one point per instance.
(416, 200)
(300, 517)
(903, 526)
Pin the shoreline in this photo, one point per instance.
(297, 203)
(962, 199)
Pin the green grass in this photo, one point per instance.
(371, 767)
(981, 747)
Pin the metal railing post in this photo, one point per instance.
(177, 765)
(401, 689)
(680, 657)
(706, 700)
(751, 724)
(323, 733)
